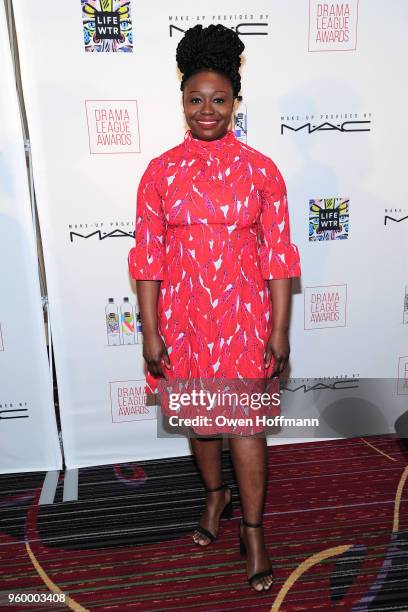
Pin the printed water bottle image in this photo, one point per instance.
(240, 122)
(139, 337)
(112, 323)
(405, 319)
(127, 322)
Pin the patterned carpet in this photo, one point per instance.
(336, 523)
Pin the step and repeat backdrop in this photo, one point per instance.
(28, 430)
(323, 96)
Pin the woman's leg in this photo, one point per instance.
(249, 456)
(207, 454)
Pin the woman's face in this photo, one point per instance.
(208, 104)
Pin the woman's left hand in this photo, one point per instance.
(277, 348)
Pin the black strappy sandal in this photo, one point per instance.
(226, 513)
(243, 551)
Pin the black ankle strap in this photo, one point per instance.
(223, 486)
(254, 525)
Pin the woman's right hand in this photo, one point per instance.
(154, 351)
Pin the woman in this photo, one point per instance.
(212, 255)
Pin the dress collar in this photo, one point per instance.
(211, 148)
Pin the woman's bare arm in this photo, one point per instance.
(154, 349)
(278, 343)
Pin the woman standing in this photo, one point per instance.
(214, 262)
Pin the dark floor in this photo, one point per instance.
(336, 523)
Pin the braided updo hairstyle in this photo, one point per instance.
(215, 47)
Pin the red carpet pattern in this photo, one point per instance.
(336, 523)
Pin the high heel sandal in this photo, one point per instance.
(243, 551)
(226, 513)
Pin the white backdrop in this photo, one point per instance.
(28, 431)
(324, 98)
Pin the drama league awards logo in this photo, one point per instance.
(107, 26)
(325, 306)
(128, 401)
(329, 219)
(333, 25)
(402, 387)
(113, 126)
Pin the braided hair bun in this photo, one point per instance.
(215, 47)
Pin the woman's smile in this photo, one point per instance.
(206, 123)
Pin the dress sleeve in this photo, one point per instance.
(279, 257)
(146, 258)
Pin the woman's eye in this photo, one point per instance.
(197, 100)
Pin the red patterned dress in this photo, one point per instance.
(212, 224)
